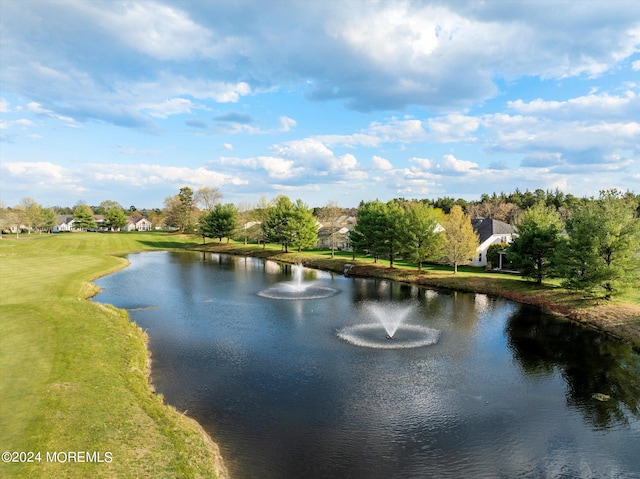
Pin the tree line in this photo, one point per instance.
(592, 244)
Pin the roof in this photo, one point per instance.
(486, 227)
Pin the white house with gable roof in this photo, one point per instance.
(490, 231)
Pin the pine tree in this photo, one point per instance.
(83, 217)
(601, 253)
(538, 236)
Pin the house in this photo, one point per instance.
(490, 231)
(63, 223)
(138, 223)
(340, 227)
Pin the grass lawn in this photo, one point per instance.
(73, 374)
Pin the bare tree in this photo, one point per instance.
(207, 198)
(328, 216)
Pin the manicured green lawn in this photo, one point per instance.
(73, 374)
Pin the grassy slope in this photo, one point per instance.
(73, 374)
(619, 318)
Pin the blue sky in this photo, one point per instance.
(323, 101)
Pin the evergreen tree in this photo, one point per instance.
(461, 241)
(379, 229)
(602, 250)
(83, 217)
(538, 235)
(185, 209)
(220, 222)
(304, 226)
(367, 236)
(277, 227)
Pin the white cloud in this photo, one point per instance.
(635, 66)
(594, 105)
(147, 174)
(4, 106)
(393, 130)
(156, 30)
(35, 107)
(423, 163)
(453, 127)
(174, 106)
(22, 122)
(379, 163)
(287, 123)
(275, 167)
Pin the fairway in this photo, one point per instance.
(73, 374)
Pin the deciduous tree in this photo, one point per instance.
(207, 197)
(423, 237)
(290, 224)
(328, 216)
(461, 241)
(30, 213)
(48, 219)
(115, 218)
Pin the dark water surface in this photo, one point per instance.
(506, 392)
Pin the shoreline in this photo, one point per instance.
(616, 319)
(216, 456)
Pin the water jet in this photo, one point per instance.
(389, 331)
(297, 288)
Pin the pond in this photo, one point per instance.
(313, 388)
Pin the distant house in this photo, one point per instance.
(490, 232)
(63, 223)
(340, 228)
(99, 219)
(138, 223)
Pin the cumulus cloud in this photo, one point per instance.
(383, 55)
(602, 106)
(379, 163)
(453, 127)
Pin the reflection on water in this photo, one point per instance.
(591, 365)
(504, 392)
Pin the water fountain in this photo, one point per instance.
(297, 288)
(389, 331)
